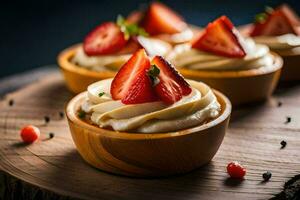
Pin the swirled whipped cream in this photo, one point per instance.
(115, 61)
(198, 107)
(184, 55)
(177, 38)
(282, 42)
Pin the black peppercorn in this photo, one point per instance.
(11, 102)
(47, 119)
(283, 144)
(279, 103)
(288, 120)
(51, 135)
(61, 114)
(267, 175)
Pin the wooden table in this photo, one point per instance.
(52, 168)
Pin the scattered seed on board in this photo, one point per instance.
(47, 119)
(51, 135)
(267, 175)
(283, 144)
(61, 114)
(11, 102)
(288, 120)
(279, 103)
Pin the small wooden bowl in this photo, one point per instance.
(148, 155)
(240, 87)
(78, 78)
(291, 66)
(290, 70)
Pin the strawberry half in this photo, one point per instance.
(106, 38)
(132, 46)
(171, 86)
(135, 17)
(221, 38)
(280, 21)
(132, 85)
(160, 19)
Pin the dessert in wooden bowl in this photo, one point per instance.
(279, 29)
(152, 124)
(106, 48)
(238, 67)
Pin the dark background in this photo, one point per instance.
(32, 33)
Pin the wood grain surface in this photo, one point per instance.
(54, 165)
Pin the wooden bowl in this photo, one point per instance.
(291, 66)
(148, 155)
(78, 78)
(290, 70)
(240, 87)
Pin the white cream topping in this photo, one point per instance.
(282, 42)
(199, 106)
(185, 56)
(177, 38)
(113, 62)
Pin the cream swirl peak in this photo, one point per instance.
(282, 42)
(198, 107)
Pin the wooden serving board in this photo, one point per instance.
(53, 166)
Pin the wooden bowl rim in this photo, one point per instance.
(72, 117)
(278, 63)
(64, 63)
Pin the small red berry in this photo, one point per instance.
(236, 170)
(30, 133)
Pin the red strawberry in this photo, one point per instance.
(160, 19)
(280, 21)
(221, 38)
(236, 170)
(171, 86)
(132, 46)
(106, 38)
(30, 133)
(135, 17)
(132, 85)
(290, 14)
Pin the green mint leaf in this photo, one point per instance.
(129, 29)
(81, 114)
(120, 20)
(101, 94)
(269, 9)
(261, 17)
(153, 73)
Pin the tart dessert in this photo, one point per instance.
(104, 50)
(162, 22)
(279, 29)
(222, 58)
(148, 120)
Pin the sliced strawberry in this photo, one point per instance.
(171, 86)
(132, 46)
(160, 19)
(290, 14)
(221, 38)
(135, 17)
(106, 38)
(132, 85)
(279, 22)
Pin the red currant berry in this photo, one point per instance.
(235, 170)
(30, 133)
